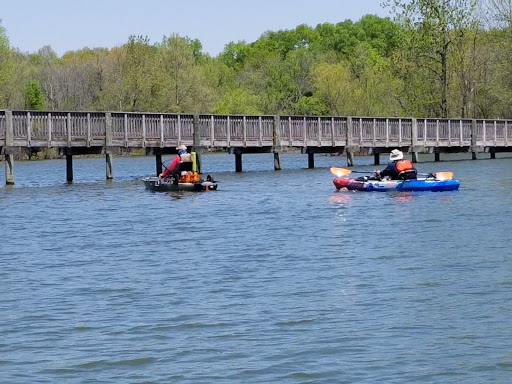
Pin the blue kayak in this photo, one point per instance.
(422, 184)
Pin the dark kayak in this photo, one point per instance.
(157, 184)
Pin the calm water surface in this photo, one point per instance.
(273, 278)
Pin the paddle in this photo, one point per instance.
(439, 175)
(163, 165)
(345, 172)
(443, 175)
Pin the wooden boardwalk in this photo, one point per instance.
(111, 133)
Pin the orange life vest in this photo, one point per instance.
(403, 165)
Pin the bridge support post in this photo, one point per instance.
(350, 159)
(492, 154)
(437, 156)
(158, 159)
(376, 158)
(9, 169)
(277, 161)
(238, 162)
(311, 160)
(349, 143)
(277, 143)
(9, 142)
(109, 170)
(69, 168)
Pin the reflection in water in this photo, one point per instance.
(404, 197)
(340, 198)
(274, 277)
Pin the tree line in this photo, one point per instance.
(432, 58)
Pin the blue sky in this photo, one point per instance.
(74, 24)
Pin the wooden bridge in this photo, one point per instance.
(111, 133)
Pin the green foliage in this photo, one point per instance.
(238, 101)
(136, 73)
(310, 106)
(34, 97)
(235, 55)
(432, 31)
(432, 60)
(7, 70)
(179, 82)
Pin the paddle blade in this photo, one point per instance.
(340, 172)
(444, 175)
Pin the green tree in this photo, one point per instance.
(136, 73)
(334, 85)
(238, 101)
(49, 78)
(311, 106)
(431, 29)
(7, 70)
(235, 55)
(181, 86)
(34, 98)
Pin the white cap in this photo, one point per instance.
(396, 155)
(181, 147)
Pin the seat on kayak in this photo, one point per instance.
(409, 174)
(185, 166)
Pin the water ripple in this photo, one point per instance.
(275, 277)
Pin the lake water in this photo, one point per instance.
(274, 278)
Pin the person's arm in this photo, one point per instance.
(390, 170)
(171, 167)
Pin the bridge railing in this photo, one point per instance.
(94, 129)
(236, 130)
(296, 131)
(444, 133)
(494, 132)
(381, 132)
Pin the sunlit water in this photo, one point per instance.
(273, 278)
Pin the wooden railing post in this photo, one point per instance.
(304, 127)
(350, 145)
(68, 120)
(212, 131)
(29, 131)
(108, 129)
(414, 140)
(196, 131)
(9, 129)
(49, 126)
(333, 138)
(244, 131)
(143, 131)
(88, 130)
(161, 132)
(126, 130)
(196, 146)
(474, 136)
(319, 124)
